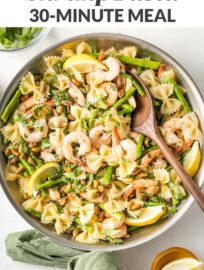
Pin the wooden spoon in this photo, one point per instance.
(144, 122)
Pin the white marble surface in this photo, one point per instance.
(186, 45)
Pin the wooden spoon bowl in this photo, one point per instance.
(144, 122)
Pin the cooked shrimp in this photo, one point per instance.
(117, 227)
(115, 137)
(114, 68)
(150, 157)
(138, 185)
(40, 131)
(129, 147)
(50, 155)
(77, 95)
(111, 92)
(54, 194)
(184, 147)
(112, 223)
(81, 139)
(170, 129)
(98, 137)
(26, 105)
(120, 232)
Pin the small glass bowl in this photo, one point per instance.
(41, 35)
(170, 255)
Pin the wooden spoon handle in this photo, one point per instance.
(188, 182)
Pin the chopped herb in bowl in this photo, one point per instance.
(13, 38)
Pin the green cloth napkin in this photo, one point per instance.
(34, 248)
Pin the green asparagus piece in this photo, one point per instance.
(139, 146)
(92, 118)
(37, 160)
(180, 96)
(154, 147)
(107, 176)
(126, 108)
(27, 166)
(139, 88)
(179, 93)
(135, 84)
(146, 63)
(33, 212)
(128, 94)
(11, 105)
(50, 183)
(132, 228)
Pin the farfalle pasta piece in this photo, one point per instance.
(83, 47)
(174, 177)
(167, 75)
(36, 204)
(133, 207)
(11, 132)
(62, 82)
(58, 124)
(116, 189)
(86, 213)
(126, 167)
(74, 204)
(161, 175)
(163, 93)
(191, 130)
(28, 85)
(23, 185)
(66, 53)
(165, 192)
(130, 51)
(51, 215)
(81, 115)
(94, 79)
(114, 120)
(52, 60)
(95, 160)
(114, 205)
(90, 237)
(111, 51)
(11, 173)
(149, 78)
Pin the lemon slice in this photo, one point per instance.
(149, 215)
(45, 171)
(191, 161)
(83, 63)
(185, 264)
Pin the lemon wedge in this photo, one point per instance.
(45, 171)
(149, 215)
(185, 264)
(191, 161)
(83, 63)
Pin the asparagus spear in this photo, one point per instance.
(107, 176)
(139, 146)
(179, 93)
(10, 106)
(50, 183)
(146, 63)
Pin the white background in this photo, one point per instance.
(185, 45)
